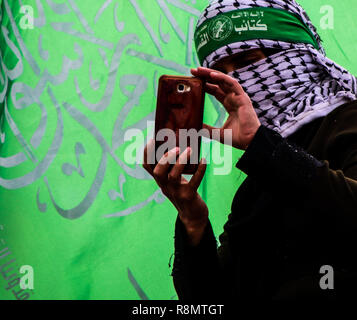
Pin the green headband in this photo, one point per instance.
(249, 24)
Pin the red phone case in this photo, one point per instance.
(180, 105)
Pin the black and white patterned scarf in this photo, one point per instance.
(292, 87)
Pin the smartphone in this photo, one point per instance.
(180, 105)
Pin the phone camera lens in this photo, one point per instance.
(181, 88)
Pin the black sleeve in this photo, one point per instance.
(198, 271)
(289, 170)
(284, 168)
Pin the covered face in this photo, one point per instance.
(294, 85)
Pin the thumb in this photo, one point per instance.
(196, 179)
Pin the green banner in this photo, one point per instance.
(78, 220)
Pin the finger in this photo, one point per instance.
(177, 169)
(203, 72)
(149, 154)
(206, 74)
(226, 85)
(215, 91)
(193, 71)
(226, 82)
(160, 172)
(199, 174)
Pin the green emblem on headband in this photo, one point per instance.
(249, 24)
(221, 28)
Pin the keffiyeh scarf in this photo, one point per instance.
(292, 87)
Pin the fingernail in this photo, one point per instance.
(204, 161)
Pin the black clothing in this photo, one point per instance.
(295, 212)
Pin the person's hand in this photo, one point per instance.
(242, 119)
(183, 194)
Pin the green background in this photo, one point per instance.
(91, 226)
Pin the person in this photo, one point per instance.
(292, 230)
